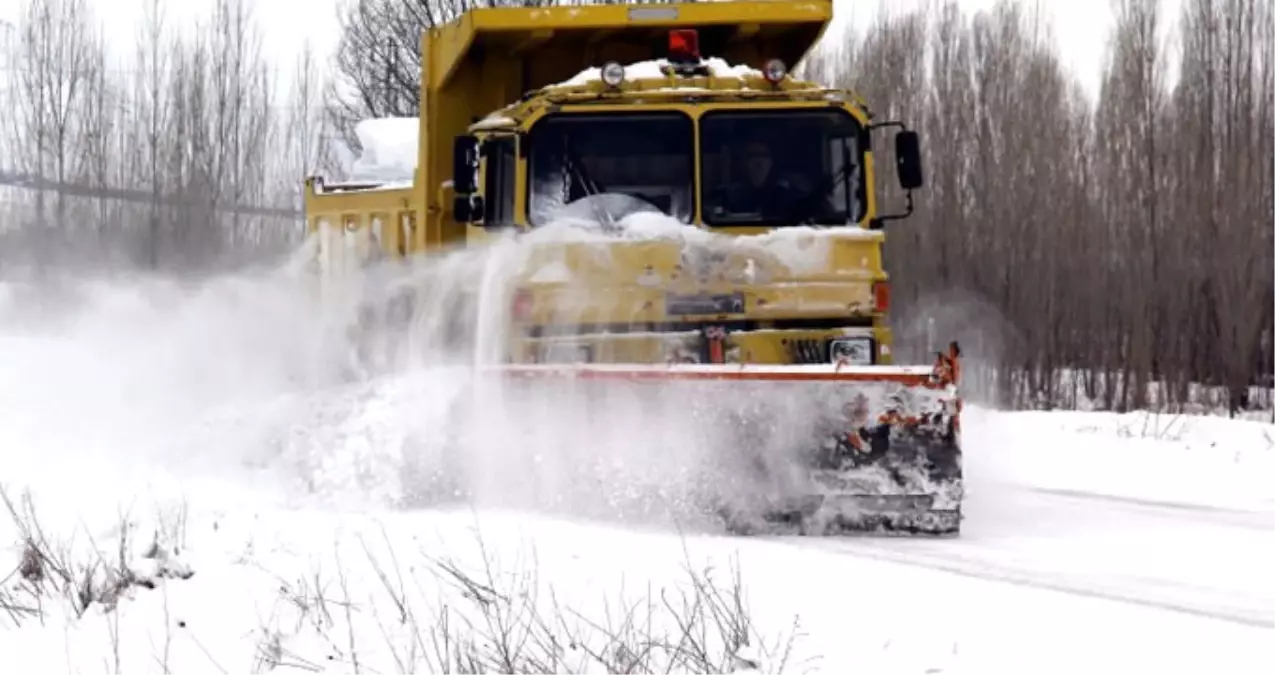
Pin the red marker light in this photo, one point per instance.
(683, 45)
(522, 305)
(881, 295)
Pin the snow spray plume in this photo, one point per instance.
(987, 341)
(121, 372)
(986, 337)
(435, 428)
(292, 378)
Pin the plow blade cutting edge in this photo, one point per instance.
(800, 449)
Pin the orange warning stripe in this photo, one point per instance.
(945, 372)
(908, 379)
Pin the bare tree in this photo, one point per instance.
(162, 160)
(96, 127)
(152, 113)
(1130, 113)
(52, 68)
(378, 59)
(306, 141)
(1224, 106)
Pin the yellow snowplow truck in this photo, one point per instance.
(697, 226)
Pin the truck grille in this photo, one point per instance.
(803, 352)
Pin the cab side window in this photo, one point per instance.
(498, 189)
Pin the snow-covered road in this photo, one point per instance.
(1094, 542)
(1065, 566)
(1046, 578)
(1189, 559)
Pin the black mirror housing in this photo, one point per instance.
(465, 165)
(467, 209)
(907, 155)
(461, 210)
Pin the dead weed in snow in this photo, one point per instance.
(435, 615)
(56, 571)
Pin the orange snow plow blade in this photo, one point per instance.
(808, 449)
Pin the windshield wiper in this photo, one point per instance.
(577, 172)
(809, 207)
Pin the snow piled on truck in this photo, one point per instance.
(800, 248)
(654, 70)
(390, 148)
(391, 145)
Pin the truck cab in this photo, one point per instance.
(739, 201)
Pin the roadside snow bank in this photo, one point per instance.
(505, 592)
(1202, 460)
(319, 590)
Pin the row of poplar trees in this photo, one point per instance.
(1087, 244)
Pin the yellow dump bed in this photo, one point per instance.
(538, 47)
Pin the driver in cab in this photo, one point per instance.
(761, 191)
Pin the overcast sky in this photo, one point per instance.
(1080, 26)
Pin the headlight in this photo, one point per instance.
(613, 74)
(851, 351)
(567, 353)
(775, 71)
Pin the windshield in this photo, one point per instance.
(647, 157)
(781, 167)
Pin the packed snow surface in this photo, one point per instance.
(267, 495)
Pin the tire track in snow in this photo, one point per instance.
(1032, 526)
(1215, 514)
(980, 568)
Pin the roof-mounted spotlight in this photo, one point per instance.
(775, 71)
(612, 74)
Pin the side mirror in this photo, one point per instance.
(462, 212)
(907, 155)
(467, 208)
(464, 166)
